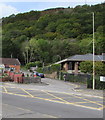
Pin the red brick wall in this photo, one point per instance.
(18, 78)
(17, 67)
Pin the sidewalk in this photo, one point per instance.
(81, 88)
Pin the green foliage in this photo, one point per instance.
(31, 64)
(40, 69)
(80, 78)
(55, 67)
(49, 69)
(38, 63)
(87, 67)
(42, 35)
(98, 83)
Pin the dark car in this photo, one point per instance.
(41, 75)
(38, 74)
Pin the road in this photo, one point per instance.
(50, 99)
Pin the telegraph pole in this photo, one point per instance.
(93, 55)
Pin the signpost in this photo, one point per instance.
(102, 78)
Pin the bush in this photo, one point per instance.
(87, 67)
(31, 64)
(80, 78)
(55, 67)
(38, 63)
(40, 70)
(49, 69)
(98, 83)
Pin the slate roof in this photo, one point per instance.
(86, 57)
(9, 61)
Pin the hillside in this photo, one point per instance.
(45, 35)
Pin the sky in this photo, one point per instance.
(8, 7)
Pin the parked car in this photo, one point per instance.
(41, 75)
(35, 74)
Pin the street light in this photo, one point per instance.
(93, 56)
(93, 53)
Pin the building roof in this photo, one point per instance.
(9, 61)
(86, 57)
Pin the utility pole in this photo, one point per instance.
(93, 56)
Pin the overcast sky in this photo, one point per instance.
(8, 7)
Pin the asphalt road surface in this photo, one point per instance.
(50, 99)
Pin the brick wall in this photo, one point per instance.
(17, 67)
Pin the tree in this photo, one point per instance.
(87, 67)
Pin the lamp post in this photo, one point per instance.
(93, 56)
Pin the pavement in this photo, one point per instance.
(51, 99)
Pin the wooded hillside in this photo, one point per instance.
(50, 34)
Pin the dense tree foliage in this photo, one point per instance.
(87, 67)
(45, 35)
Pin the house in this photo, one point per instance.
(10, 63)
(71, 64)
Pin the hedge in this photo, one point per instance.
(49, 69)
(80, 78)
(33, 64)
(98, 84)
(83, 78)
(87, 67)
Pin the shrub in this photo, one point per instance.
(40, 70)
(38, 63)
(49, 69)
(98, 83)
(80, 78)
(87, 67)
(55, 67)
(31, 64)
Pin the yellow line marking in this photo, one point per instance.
(66, 102)
(89, 100)
(16, 94)
(102, 107)
(55, 96)
(61, 92)
(66, 93)
(57, 101)
(27, 92)
(5, 89)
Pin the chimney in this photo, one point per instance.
(103, 56)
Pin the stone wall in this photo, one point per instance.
(52, 76)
